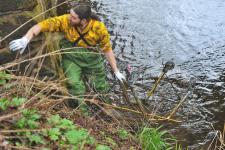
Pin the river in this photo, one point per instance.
(189, 33)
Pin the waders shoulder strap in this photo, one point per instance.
(82, 38)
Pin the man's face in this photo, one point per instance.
(74, 18)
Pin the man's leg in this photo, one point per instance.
(98, 79)
(75, 83)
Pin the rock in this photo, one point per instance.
(13, 13)
(15, 5)
(63, 9)
(9, 23)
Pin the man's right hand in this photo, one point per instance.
(19, 44)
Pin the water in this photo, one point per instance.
(190, 33)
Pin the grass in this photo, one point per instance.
(154, 139)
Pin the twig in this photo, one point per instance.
(24, 130)
(125, 94)
(138, 101)
(15, 147)
(57, 52)
(9, 116)
(157, 118)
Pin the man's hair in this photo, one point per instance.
(84, 12)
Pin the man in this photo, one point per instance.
(83, 31)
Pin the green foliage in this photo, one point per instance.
(4, 104)
(179, 147)
(4, 77)
(65, 130)
(31, 114)
(2, 81)
(153, 139)
(123, 134)
(102, 147)
(15, 102)
(55, 120)
(77, 136)
(54, 134)
(28, 120)
(36, 138)
(62, 130)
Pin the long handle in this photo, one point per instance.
(169, 65)
(177, 107)
(150, 93)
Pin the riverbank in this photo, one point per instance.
(33, 115)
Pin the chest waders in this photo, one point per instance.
(79, 63)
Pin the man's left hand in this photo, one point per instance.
(120, 76)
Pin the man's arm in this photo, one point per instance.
(49, 25)
(106, 48)
(21, 44)
(112, 61)
(32, 32)
(54, 24)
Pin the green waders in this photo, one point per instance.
(80, 63)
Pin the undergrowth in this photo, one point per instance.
(30, 122)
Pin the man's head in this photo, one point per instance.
(80, 14)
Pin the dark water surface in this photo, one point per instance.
(192, 34)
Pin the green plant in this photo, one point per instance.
(54, 134)
(153, 139)
(123, 134)
(15, 102)
(4, 77)
(79, 136)
(4, 103)
(36, 138)
(178, 147)
(102, 147)
(60, 130)
(55, 120)
(65, 131)
(29, 119)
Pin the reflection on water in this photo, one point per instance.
(192, 34)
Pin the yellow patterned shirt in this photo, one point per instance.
(97, 32)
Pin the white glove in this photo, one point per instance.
(19, 44)
(120, 76)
